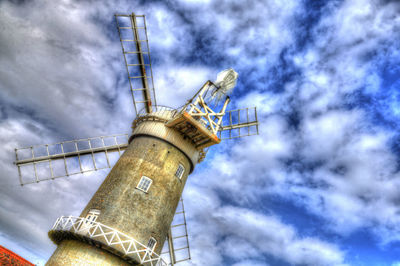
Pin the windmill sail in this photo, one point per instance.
(176, 248)
(50, 161)
(135, 49)
(239, 123)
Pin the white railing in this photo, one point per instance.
(159, 113)
(164, 112)
(113, 238)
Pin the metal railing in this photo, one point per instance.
(112, 238)
(159, 113)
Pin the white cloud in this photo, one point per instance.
(251, 263)
(270, 236)
(58, 74)
(357, 175)
(175, 85)
(328, 132)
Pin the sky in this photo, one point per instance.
(318, 186)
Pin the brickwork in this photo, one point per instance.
(7, 257)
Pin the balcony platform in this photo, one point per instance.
(194, 130)
(104, 237)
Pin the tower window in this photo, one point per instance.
(91, 217)
(144, 183)
(152, 244)
(179, 172)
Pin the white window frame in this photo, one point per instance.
(142, 182)
(152, 240)
(91, 217)
(181, 168)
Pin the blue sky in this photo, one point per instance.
(319, 185)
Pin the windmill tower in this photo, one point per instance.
(131, 215)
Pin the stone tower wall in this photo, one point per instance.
(155, 151)
(134, 212)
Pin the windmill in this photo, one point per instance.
(138, 206)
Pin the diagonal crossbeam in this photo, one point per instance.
(112, 238)
(199, 109)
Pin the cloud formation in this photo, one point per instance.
(324, 78)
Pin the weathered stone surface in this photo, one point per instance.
(136, 213)
(73, 252)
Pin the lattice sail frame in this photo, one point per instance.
(51, 161)
(132, 32)
(177, 243)
(239, 123)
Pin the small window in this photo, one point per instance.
(152, 244)
(179, 172)
(92, 216)
(144, 183)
